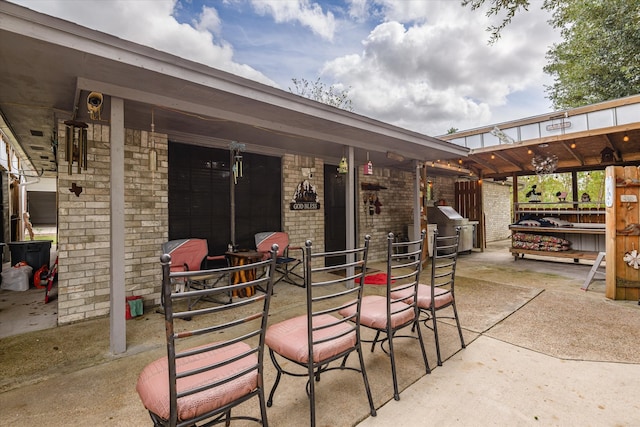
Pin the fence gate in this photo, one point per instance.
(468, 195)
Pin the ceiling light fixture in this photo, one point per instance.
(625, 138)
(573, 145)
(544, 164)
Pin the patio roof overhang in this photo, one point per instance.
(586, 138)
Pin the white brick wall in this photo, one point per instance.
(497, 203)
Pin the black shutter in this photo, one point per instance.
(199, 196)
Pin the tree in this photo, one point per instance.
(599, 57)
(510, 7)
(318, 91)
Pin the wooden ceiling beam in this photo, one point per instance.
(483, 163)
(574, 153)
(504, 156)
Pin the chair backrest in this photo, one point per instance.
(227, 338)
(443, 263)
(266, 239)
(404, 266)
(331, 288)
(186, 254)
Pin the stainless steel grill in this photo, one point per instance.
(447, 220)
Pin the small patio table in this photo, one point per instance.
(243, 258)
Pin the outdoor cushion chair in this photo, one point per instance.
(218, 363)
(191, 255)
(285, 264)
(440, 293)
(321, 340)
(387, 315)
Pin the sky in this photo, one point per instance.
(424, 65)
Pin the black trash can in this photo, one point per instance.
(35, 253)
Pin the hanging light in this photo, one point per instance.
(544, 164)
(368, 168)
(343, 167)
(625, 138)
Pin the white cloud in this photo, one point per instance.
(308, 14)
(438, 71)
(151, 23)
(209, 20)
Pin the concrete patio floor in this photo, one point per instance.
(540, 351)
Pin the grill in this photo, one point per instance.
(447, 220)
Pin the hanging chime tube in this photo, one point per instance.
(69, 130)
(84, 149)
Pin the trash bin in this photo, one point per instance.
(35, 253)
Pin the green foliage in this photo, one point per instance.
(591, 182)
(320, 92)
(599, 58)
(510, 7)
(452, 131)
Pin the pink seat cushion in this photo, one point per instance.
(443, 296)
(374, 312)
(153, 382)
(289, 338)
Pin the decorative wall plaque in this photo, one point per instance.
(305, 197)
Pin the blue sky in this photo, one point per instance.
(424, 65)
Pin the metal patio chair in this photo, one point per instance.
(191, 255)
(440, 293)
(218, 363)
(321, 340)
(388, 315)
(285, 264)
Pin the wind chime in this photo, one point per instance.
(153, 154)
(76, 144)
(236, 149)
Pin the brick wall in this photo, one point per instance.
(497, 205)
(302, 225)
(396, 212)
(84, 225)
(84, 221)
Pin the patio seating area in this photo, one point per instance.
(540, 351)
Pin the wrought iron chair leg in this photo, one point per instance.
(277, 380)
(416, 325)
(392, 357)
(435, 334)
(366, 383)
(455, 313)
(375, 340)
